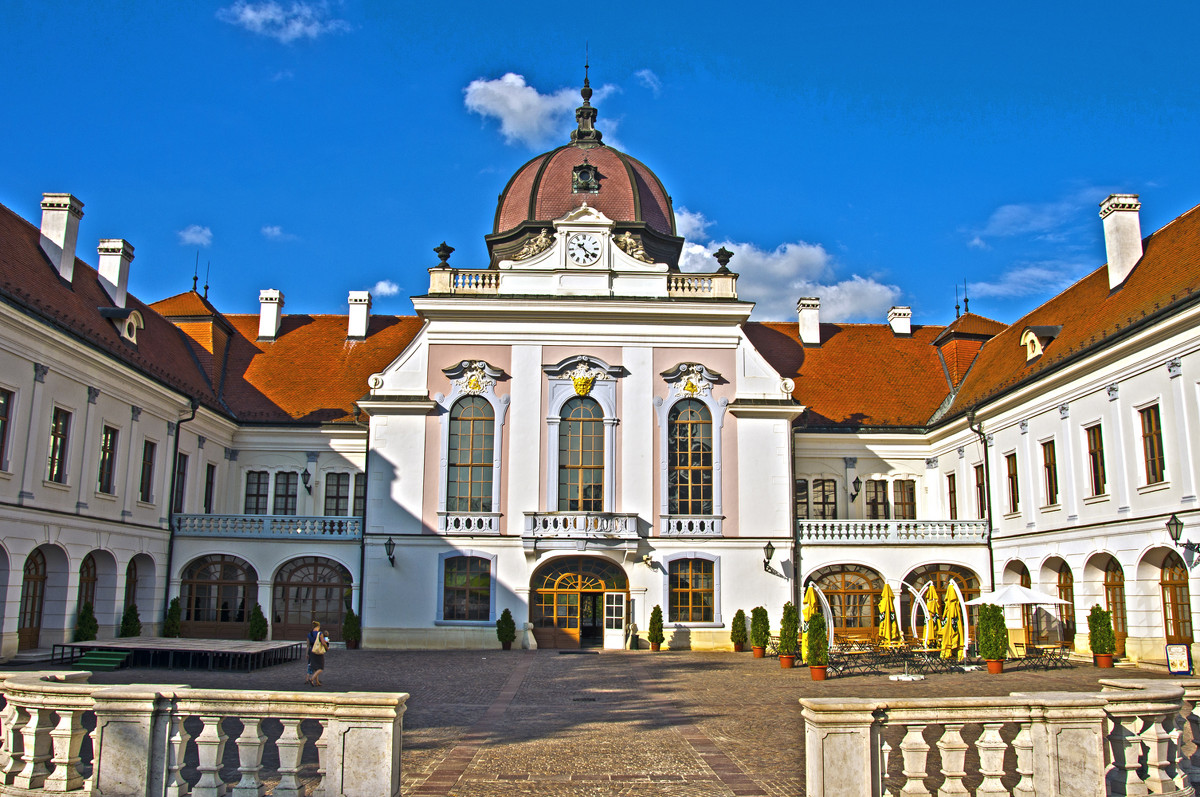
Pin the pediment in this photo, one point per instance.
(584, 214)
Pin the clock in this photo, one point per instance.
(583, 248)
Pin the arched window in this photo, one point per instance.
(940, 574)
(33, 597)
(1177, 600)
(470, 456)
(1066, 611)
(581, 457)
(853, 593)
(217, 592)
(690, 459)
(466, 588)
(87, 583)
(306, 589)
(692, 591)
(131, 583)
(1029, 615)
(1114, 598)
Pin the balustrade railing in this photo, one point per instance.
(708, 286)
(907, 532)
(1133, 737)
(464, 281)
(269, 526)
(175, 741)
(581, 524)
(469, 522)
(690, 526)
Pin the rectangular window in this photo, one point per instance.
(337, 494)
(904, 494)
(360, 495)
(210, 486)
(6, 402)
(824, 499)
(952, 492)
(980, 492)
(1152, 445)
(801, 499)
(181, 462)
(60, 429)
(877, 500)
(258, 486)
(1014, 490)
(286, 486)
(146, 487)
(1095, 444)
(108, 460)
(692, 591)
(1050, 471)
(466, 588)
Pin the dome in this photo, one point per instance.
(585, 170)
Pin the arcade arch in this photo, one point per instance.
(309, 588)
(217, 592)
(570, 597)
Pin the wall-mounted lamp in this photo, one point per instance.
(306, 477)
(768, 551)
(389, 548)
(647, 561)
(1175, 529)
(856, 486)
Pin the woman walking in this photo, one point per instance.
(318, 643)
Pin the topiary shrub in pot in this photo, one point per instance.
(351, 630)
(760, 631)
(655, 634)
(1101, 638)
(131, 624)
(789, 636)
(816, 647)
(737, 634)
(173, 625)
(86, 626)
(506, 629)
(257, 628)
(993, 637)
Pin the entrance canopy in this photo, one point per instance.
(1015, 595)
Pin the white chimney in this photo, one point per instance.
(360, 314)
(1122, 235)
(900, 320)
(115, 256)
(270, 316)
(60, 229)
(809, 310)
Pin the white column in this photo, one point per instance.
(87, 467)
(1066, 462)
(29, 468)
(1183, 437)
(1122, 475)
(1028, 478)
(524, 463)
(135, 414)
(168, 455)
(637, 471)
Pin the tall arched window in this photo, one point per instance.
(87, 583)
(1177, 600)
(581, 457)
(1066, 611)
(218, 592)
(470, 456)
(306, 589)
(690, 459)
(1114, 597)
(853, 593)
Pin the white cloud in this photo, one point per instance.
(385, 288)
(195, 235)
(283, 74)
(1045, 221)
(274, 232)
(650, 80)
(299, 20)
(691, 226)
(1041, 278)
(526, 115)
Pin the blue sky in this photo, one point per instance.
(873, 154)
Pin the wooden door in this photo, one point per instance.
(33, 598)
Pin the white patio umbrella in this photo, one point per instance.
(1015, 595)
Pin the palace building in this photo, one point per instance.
(578, 431)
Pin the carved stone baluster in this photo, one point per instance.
(1126, 747)
(1160, 754)
(915, 752)
(35, 741)
(14, 742)
(66, 738)
(1023, 747)
(322, 745)
(954, 760)
(210, 750)
(1188, 723)
(290, 745)
(991, 749)
(885, 754)
(176, 748)
(250, 751)
(8, 735)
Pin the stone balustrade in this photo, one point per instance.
(901, 532)
(717, 285)
(145, 739)
(276, 527)
(582, 531)
(479, 281)
(1133, 737)
(690, 526)
(468, 522)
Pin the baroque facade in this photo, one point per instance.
(578, 431)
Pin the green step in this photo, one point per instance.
(102, 660)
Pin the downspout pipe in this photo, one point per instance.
(977, 428)
(174, 466)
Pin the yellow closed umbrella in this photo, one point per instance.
(933, 617)
(952, 637)
(808, 610)
(889, 629)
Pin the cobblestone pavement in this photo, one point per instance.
(495, 724)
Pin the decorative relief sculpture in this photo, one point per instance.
(473, 377)
(691, 380)
(630, 245)
(584, 377)
(535, 245)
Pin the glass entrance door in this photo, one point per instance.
(614, 620)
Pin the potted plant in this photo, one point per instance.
(172, 626)
(351, 630)
(1101, 638)
(760, 631)
(86, 626)
(257, 628)
(789, 636)
(816, 647)
(655, 634)
(506, 629)
(131, 624)
(993, 637)
(737, 634)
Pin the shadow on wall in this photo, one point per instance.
(680, 638)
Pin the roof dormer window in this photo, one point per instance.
(1036, 339)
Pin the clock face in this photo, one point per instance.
(583, 248)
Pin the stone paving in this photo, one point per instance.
(501, 724)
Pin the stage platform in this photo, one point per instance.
(223, 654)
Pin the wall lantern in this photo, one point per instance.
(647, 561)
(857, 485)
(306, 477)
(768, 551)
(1175, 529)
(389, 548)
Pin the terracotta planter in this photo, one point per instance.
(817, 671)
(351, 644)
(787, 662)
(654, 646)
(738, 647)
(1103, 659)
(995, 666)
(759, 652)
(506, 645)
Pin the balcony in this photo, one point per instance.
(690, 526)
(892, 532)
(468, 522)
(581, 531)
(269, 527)
(486, 282)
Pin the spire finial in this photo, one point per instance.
(207, 270)
(956, 315)
(586, 91)
(196, 272)
(586, 134)
(966, 301)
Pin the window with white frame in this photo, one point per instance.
(952, 495)
(690, 419)
(106, 475)
(1014, 483)
(6, 408)
(1095, 448)
(1152, 445)
(337, 494)
(580, 457)
(692, 584)
(1050, 472)
(472, 422)
(146, 483)
(60, 430)
(258, 489)
(876, 500)
(904, 495)
(466, 592)
(287, 486)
